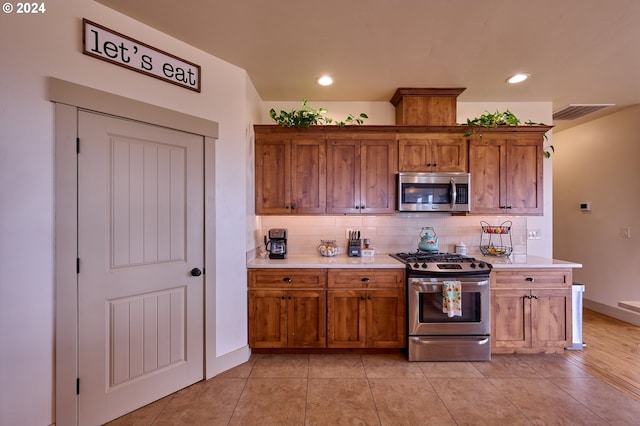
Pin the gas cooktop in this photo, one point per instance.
(424, 261)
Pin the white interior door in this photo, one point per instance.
(140, 234)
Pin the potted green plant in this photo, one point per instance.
(506, 118)
(309, 116)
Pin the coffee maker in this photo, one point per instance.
(276, 244)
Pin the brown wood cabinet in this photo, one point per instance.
(506, 173)
(531, 310)
(361, 174)
(366, 308)
(290, 173)
(287, 308)
(432, 153)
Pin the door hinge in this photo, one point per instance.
(77, 385)
(77, 265)
(77, 145)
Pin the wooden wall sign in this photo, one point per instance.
(107, 45)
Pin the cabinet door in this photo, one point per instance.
(267, 319)
(524, 176)
(386, 326)
(506, 175)
(510, 319)
(306, 319)
(487, 165)
(308, 176)
(377, 180)
(343, 176)
(432, 153)
(414, 154)
(273, 176)
(346, 323)
(449, 154)
(551, 323)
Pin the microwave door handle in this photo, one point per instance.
(453, 194)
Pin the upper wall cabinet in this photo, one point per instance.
(361, 173)
(290, 172)
(433, 152)
(506, 172)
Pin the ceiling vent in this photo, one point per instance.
(573, 111)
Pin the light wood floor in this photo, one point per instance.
(612, 352)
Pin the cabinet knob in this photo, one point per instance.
(357, 207)
(362, 207)
(530, 279)
(535, 297)
(365, 279)
(361, 297)
(287, 279)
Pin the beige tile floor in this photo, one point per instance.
(389, 390)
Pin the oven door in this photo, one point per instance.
(425, 308)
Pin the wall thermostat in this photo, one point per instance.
(585, 206)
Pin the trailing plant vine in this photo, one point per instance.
(506, 118)
(309, 116)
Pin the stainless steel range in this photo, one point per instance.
(448, 305)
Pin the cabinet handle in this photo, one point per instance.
(530, 279)
(365, 280)
(287, 279)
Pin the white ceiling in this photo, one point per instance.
(578, 51)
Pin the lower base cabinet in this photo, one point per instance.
(287, 318)
(531, 310)
(287, 308)
(366, 319)
(357, 309)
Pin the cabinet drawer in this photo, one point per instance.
(531, 278)
(287, 278)
(365, 278)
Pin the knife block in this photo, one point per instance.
(353, 248)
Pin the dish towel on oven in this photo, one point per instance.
(452, 298)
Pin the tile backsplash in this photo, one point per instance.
(392, 234)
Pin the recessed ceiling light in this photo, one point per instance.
(325, 80)
(518, 78)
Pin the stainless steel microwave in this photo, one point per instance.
(434, 192)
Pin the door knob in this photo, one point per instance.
(196, 272)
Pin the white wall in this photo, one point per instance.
(599, 162)
(34, 47)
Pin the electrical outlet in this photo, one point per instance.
(625, 232)
(534, 234)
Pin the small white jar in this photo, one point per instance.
(461, 248)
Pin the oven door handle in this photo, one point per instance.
(427, 287)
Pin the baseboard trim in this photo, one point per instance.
(614, 312)
(229, 360)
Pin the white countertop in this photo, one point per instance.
(513, 262)
(386, 261)
(319, 261)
